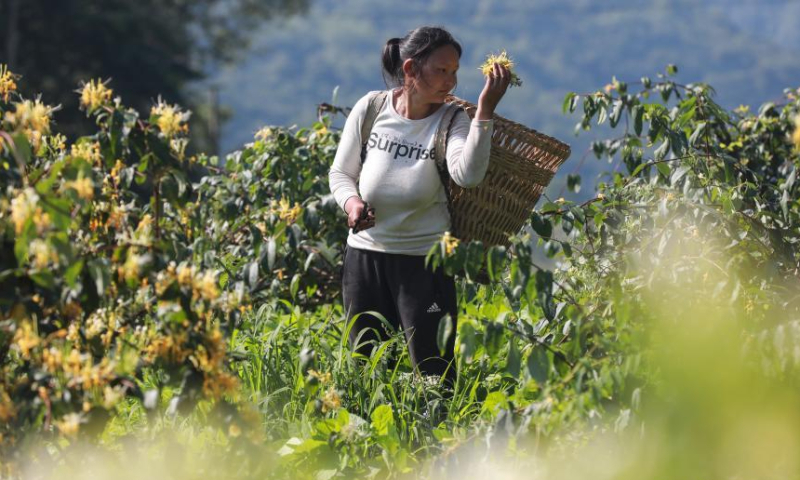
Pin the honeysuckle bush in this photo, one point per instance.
(141, 286)
(124, 259)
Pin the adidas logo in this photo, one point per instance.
(434, 308)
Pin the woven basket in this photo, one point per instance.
(521, 165)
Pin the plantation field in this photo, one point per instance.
(175, 315)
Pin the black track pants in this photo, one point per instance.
(409, 296)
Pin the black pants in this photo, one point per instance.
(409, 296)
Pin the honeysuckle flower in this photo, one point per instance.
(42, 254)
(503, 60)
(796, 134)
(322, 378)
(23, 207)
(8, 82)
(25, 339)
(331, 400)
(170, 119)
(32, 117)
(83, 186)
(450, 243)
(263, 134)
(206, 286)
(285, 211)
(87, 151)
(95, 94)
(69, 425)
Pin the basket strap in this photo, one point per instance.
(374, 107)
(440, 156)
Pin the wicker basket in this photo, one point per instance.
(521, 165)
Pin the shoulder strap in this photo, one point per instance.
(374, 107)
(440, 154)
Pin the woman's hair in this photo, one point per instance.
(417, 45)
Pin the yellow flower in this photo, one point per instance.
(185, 274)
(23, 207)
(87, 151)
(73, 364)
(178, 147)
(111, 396)
(234, 430)
(42, 254)
(206, 286)
(171, 120)
(796, 134)
(26, 339)
(95, 94)
(287, 212)
(503, 60)
(331, 400)
(130, 270)
(118, 166)
(58, 142)
(322, 378)
(52, 359)
(69, 425)
(73, 332)
(144, 230)
(83, 186)
(7, 82)
(215, 386)
(33, 118)
(450, 243)
(7, 408)
(263, 134)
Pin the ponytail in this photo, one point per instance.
(392, 63)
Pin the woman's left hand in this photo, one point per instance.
(494, 89)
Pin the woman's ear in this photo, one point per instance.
(408, 69)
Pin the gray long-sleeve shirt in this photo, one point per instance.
(399, 177)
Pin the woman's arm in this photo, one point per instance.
(469, 144)
(346, 169)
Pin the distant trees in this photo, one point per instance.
(149, 47)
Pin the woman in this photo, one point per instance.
(384, 264)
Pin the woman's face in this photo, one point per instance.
(437, 77)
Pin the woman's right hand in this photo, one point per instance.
(359, 215)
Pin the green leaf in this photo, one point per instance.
(569, 102)
(382, 420)
(295, 285)
(443, 333)
(22, 148)
(496, 261)
(662, 150)
(71, 275)
(493, 338)
(271, 253)
(514, 359)
(663, 169)
(638, 119)
(616, 113)
(467, 343)
(541, 225)
(99, 271)
(574, 183)
(538, 364)
(251, 274)
(785, 204)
